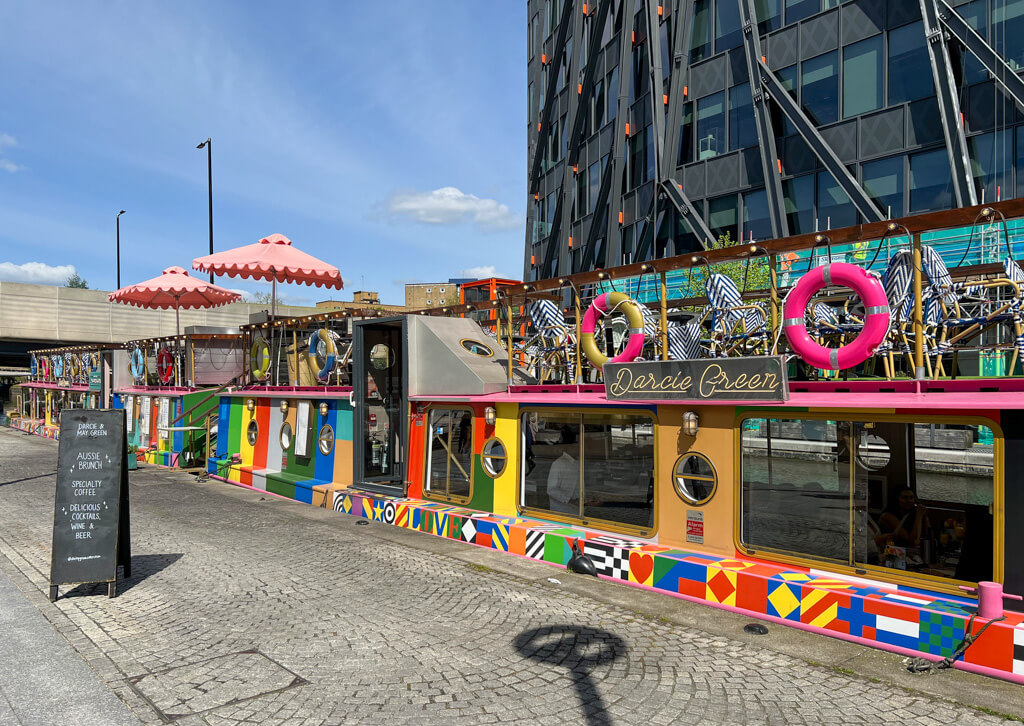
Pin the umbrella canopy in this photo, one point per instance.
(175, 288)
(272, 258)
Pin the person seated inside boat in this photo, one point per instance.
(564, 485)
(906, 520)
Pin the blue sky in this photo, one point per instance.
(388, 139)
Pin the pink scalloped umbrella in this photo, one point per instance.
(272, 258)
(175, 288)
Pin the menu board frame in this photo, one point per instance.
(91, 517)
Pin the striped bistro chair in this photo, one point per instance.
(973, 309)
(549, 350)
(735, 326)
(684, 341)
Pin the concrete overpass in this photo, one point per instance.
(38, 316)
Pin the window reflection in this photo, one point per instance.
(590, 466)
(843, 491)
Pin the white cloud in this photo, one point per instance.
(38, 273)
(482, 272)
(449, 205)
(7, 164)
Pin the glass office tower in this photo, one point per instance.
(647, 138)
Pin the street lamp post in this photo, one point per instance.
(209, 176)
(118, 220)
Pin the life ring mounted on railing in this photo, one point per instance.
(165, 365)
(323, 354)
(876, 319)
(602, 305)
(137, 364)
(259, 358)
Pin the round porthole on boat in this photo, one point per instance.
(252, 432)
(381, 357)
(494, 457)
(694, 478)
(873, 452)
(477, 348)
(325, 441)
(286, 435)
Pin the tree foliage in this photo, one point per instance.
(78, 281)
(749, 274)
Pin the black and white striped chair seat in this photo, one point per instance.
(723, 297)
(547, 317)
(684, 341)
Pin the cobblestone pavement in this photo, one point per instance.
(245, 611)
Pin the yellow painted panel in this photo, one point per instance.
(714, 439)
(506, 487)
(342, 462)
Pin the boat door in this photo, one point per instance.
(379, 381)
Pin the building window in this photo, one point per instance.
(700, 38)
(1008, 31)
(798, 194)
(593, 185)
(442, 289)
(742, 129)
(686, 136)
(430, 302)
(910, 70)
(597, 108)
(589, 466)
(835, 209)
(789, 78)
(862, 76)
(757, 223)
(883, 181)
(428, 289)
(797, 10)
(991, 164)
(723, 218)
(931, 184)
(829, 490)
(769, 15)
(450, 454)
(613, 94)
(727, 25)
(711, 125)
(819, 88)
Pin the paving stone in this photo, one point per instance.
(231, 599)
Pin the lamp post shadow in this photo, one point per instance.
(579, 649)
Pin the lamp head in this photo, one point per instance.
(203, 144)
(120, 213)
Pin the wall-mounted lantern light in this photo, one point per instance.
(490, 415)
(690, 423)
(284, 407)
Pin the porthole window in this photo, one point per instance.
(476, 347)
(286, 435)
(494, 457)
(325, 441)
(694, 478)
(873, 452)
(252, 432)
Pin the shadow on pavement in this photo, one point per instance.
(28, 478)
(143, 566)
(579, 649)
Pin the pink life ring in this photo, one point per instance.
(876, 318)
(602, 305)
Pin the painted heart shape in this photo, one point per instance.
(641, 565)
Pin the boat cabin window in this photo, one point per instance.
(589, 466)
(450, 454)
(494, 457)
(909, 496)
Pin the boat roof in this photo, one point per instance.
(981, 394)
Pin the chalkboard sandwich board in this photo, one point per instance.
(91, 529)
